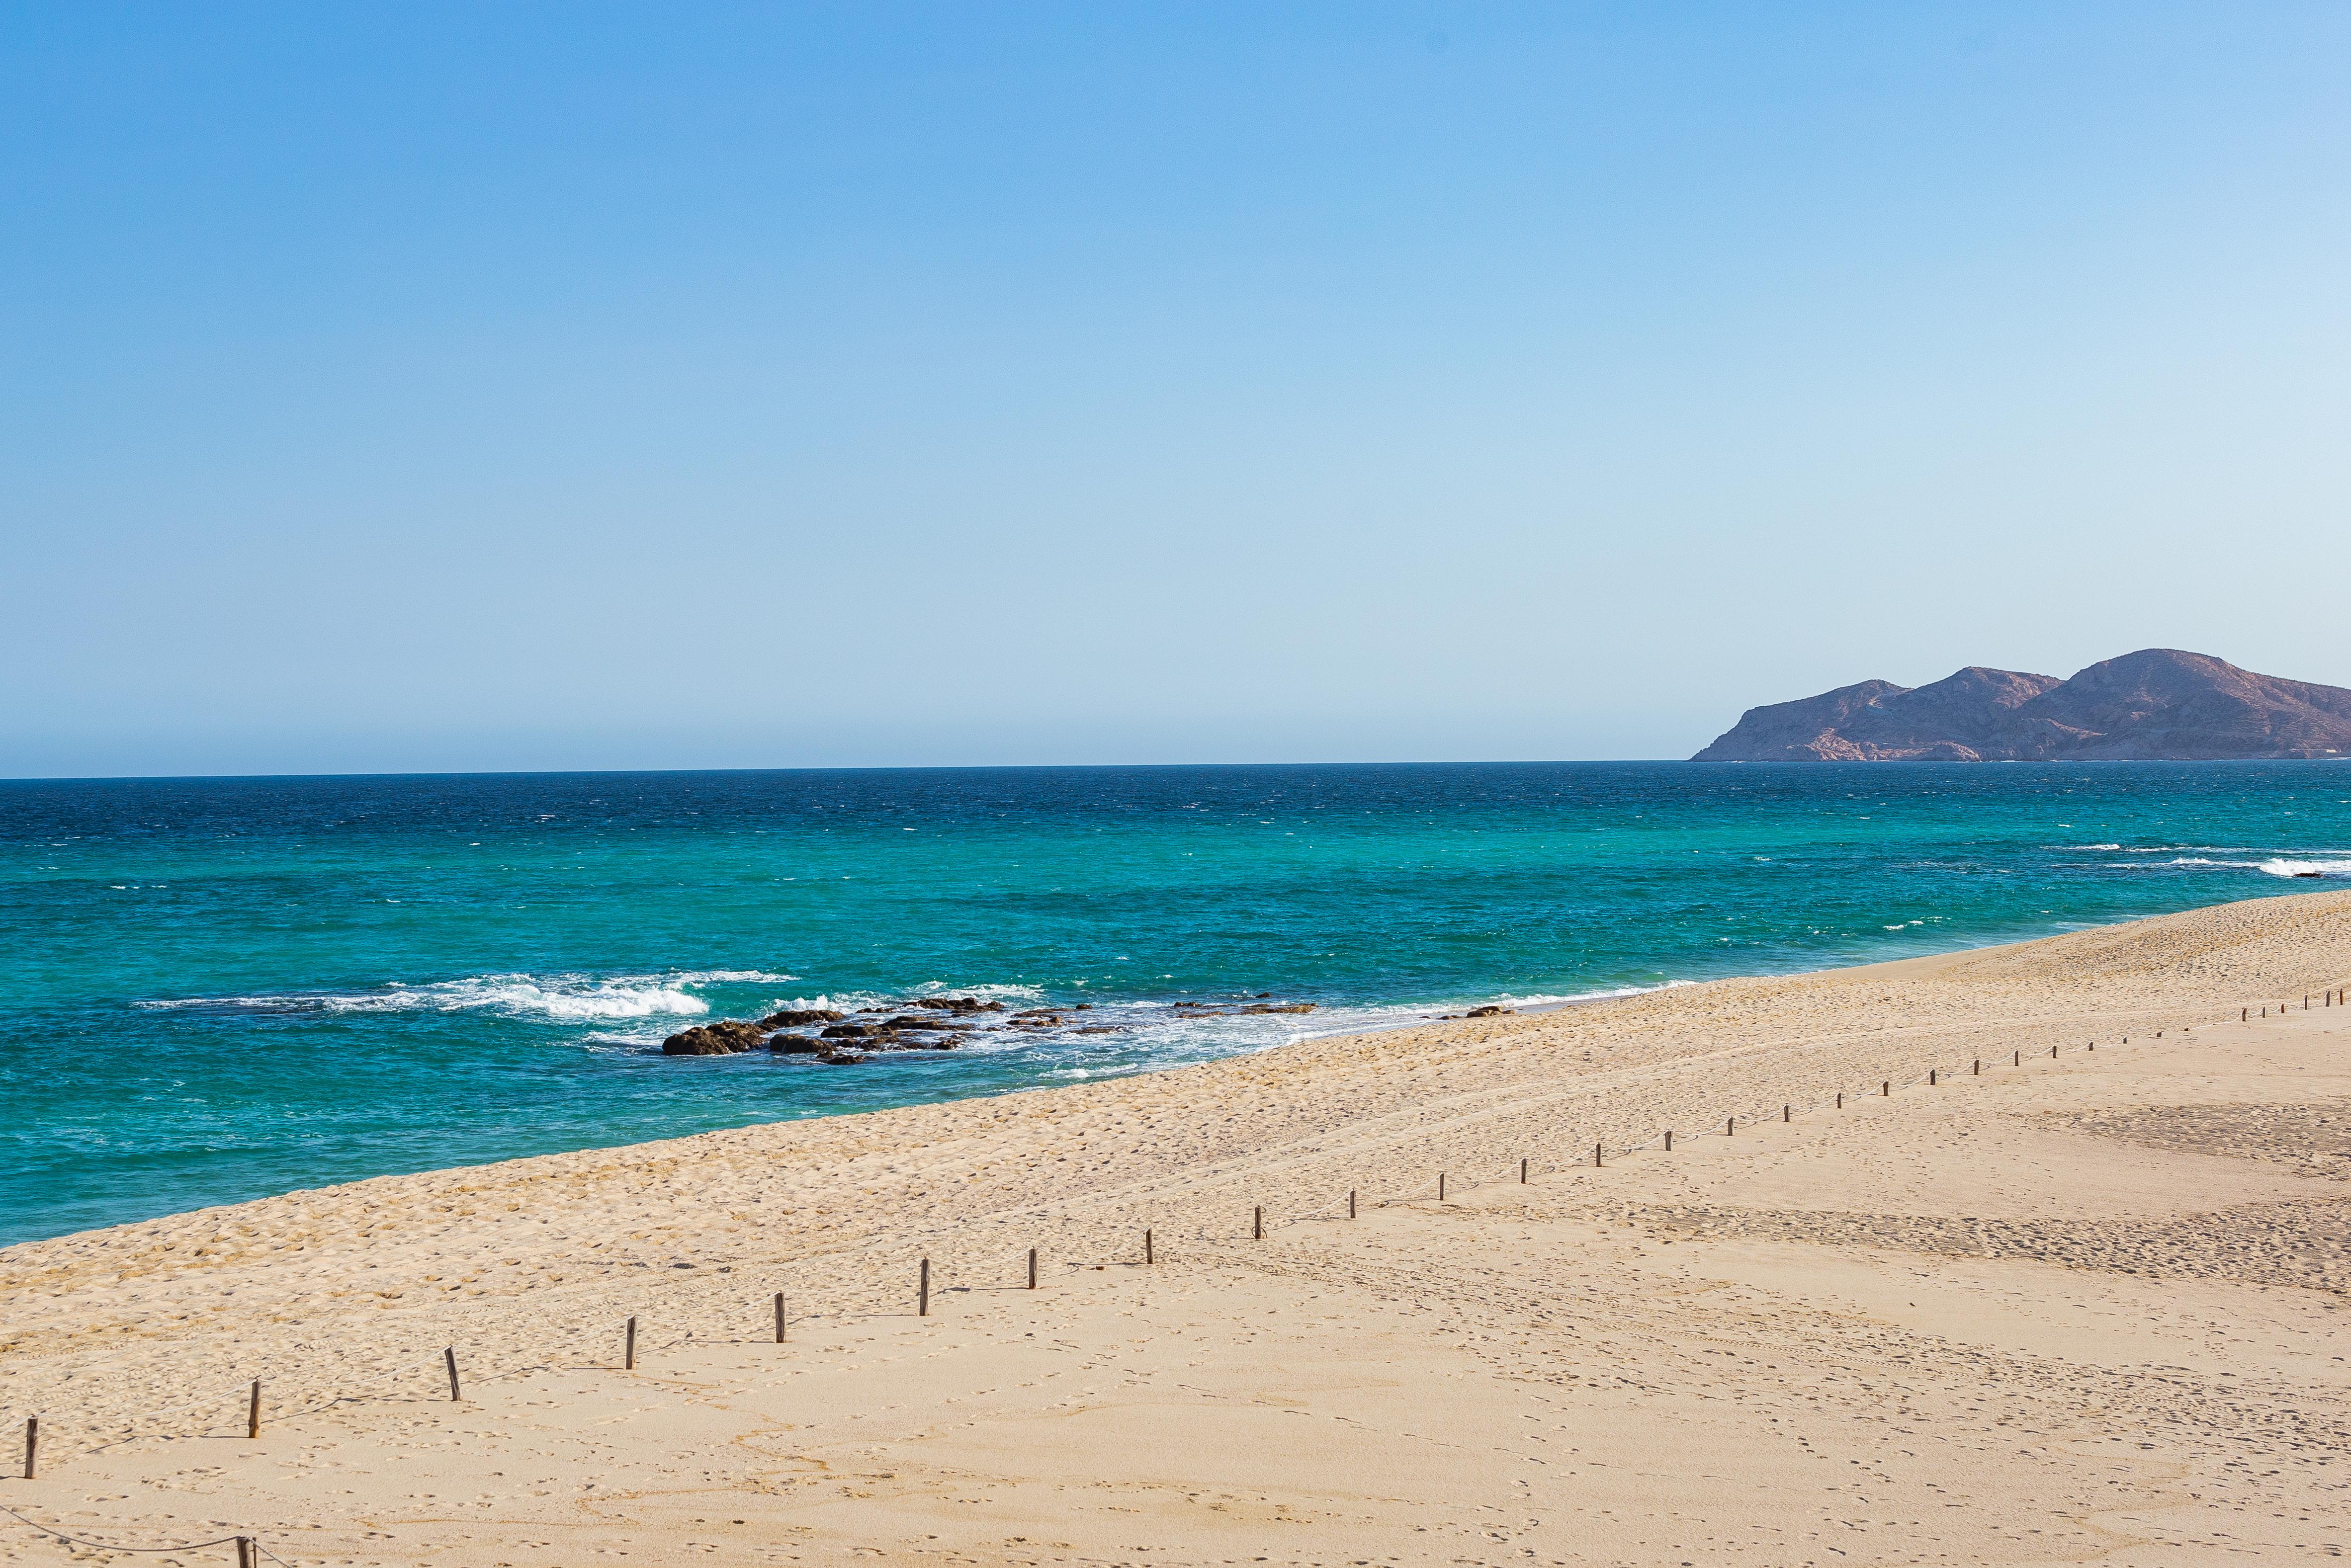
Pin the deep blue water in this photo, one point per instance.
(222, 989)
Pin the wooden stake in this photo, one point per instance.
(1596, 1151)
(780, 1317)
(1522, 1171)
(1257, 1223)
(1730, 1126)
(629, 1356)
(1979, 1068)
(31, 1446)
(244, 1552)
(1932, 1079)
(2020, 1060)
(1440, 1187)
(1840, 1099)
(2053, 1052)
(1885, 1089)
(1351, 1203)
(253, 1412)
(1032, 1263)
(1786, 1112)
(1147, 1256)
(449, 1354)
(923, 1292)
(1669, 1143)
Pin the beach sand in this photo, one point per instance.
(2087, 1309)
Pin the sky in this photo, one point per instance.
(579, 386)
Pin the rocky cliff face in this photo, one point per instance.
(2157, 704)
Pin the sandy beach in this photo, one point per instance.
(2079, 1308)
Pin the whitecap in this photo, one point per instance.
(563, 999)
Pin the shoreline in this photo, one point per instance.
(1915, 965)
(1421, 1021)
(1571, 1297)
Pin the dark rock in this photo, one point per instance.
(795, 1045)
(1488, 1012)
(795, 1017)
(695, 1042)
(851, 1031)
(1279, 1007)
(721, 1039)
(839, 1058)
(956, 1005)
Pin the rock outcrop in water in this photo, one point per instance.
(928, 1024)
(721, 1039)
(2156, 705)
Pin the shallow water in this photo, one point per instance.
(222, 988)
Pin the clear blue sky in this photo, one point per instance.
(575, 386)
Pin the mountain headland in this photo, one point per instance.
(2159, 704)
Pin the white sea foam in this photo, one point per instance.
(560, 999)
(564, 1000)
(1570, 998)
(2276, 865)
(2308, 867)
(985, 992)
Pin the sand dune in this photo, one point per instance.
(2080, 1309)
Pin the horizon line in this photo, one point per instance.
(1129, 767)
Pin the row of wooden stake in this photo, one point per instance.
(2340, 995)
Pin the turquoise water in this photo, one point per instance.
(222, 988)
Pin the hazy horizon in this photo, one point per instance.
(583, 388)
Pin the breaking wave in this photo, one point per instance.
(557, 999)
(2277, 866)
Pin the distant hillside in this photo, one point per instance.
(2157, 705)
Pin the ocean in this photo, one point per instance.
(222, 989)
